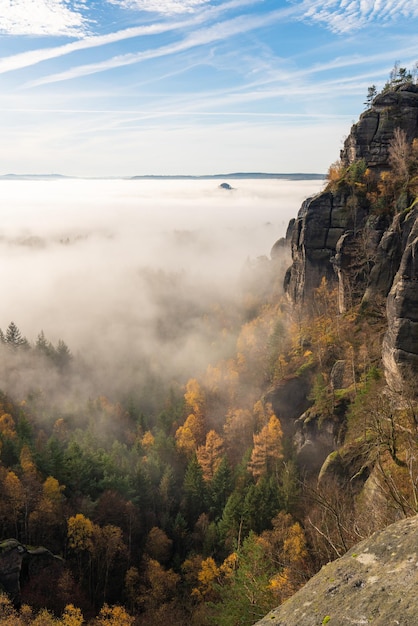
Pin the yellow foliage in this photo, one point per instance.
(185, 440)
(44, 618)
(72, 616)
(79, 532)
(229, 565)
(281, 583)
(335, 172)
(6, 609)
(26, 462)
(267, 450)
(113, 616)
(52, 490)
(207, 575)
(7, 426)
(194, 396)
(14, 491)
(191, 434)
(147, 440)
(294, 546)
(210, 455)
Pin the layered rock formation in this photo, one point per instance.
(370, 138)
(374, 583)
(369, 255)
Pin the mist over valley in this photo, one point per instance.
(139, 278)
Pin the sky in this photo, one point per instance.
(136, 87)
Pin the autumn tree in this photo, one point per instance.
(207, 575)
(209, 455)
(195, 397)
(238, 431)
(7, 426)
(79, 536)
(107, 546)
(113, 616)
(48, 515)
(286, 547)
(12, 501)
(267, 450)
(158, 546)
(72, 616)
(157, 585)
(189, 435)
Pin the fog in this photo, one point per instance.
(135, 274)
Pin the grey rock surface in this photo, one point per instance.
(339, 240)
(12, 556)
(374, 584)
(370, 137)
(400, 345)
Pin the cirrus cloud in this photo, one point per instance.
(161, 6)
(41, 17)
(343, 16)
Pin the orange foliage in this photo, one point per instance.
(335, 172)
(194, 396)
(207, 575)
(147, 440)
(267, 449)
(113, 616)
(210, 455)
(191, 434)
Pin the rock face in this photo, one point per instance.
(374, 583)
(369, 139)
(369, 257)
(400, 345)
(322, 236)
(13, 554)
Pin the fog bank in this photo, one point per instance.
(127, 270)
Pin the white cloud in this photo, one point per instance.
(27, 59)
(40, 17)
(161, 6)
(32, 57)
(204, 36)
(342, 16)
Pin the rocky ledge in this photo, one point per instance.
(375, 583)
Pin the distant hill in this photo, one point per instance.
(235, 175)
(238, 175)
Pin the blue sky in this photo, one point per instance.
(125, 87)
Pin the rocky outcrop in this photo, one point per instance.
(13, 555)
(400, 345)
(369, 139)
(334, 235)
(374, 583)
(369, 256)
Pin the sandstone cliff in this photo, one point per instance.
(362, 242)
(361, 235)
(374, 583)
